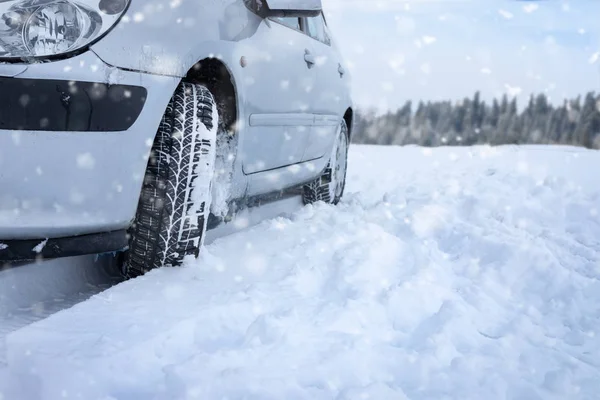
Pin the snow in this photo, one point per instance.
(456, 273)
(205, 168)
(506, 14)
(223, 175)
(40, 246)
(85, 161)
(529, 8)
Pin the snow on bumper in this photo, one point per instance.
(58, 180)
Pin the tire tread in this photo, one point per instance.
(163, 232)
(319, 189)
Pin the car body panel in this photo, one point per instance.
(12, 70)
(277, 83)
(276, 78)
(309, 5)
(279, 179)
(329, 101)
(160, 42)
(73, 183)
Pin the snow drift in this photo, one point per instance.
(465, 273)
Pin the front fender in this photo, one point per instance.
(169, 39)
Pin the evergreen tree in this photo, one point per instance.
(471, 121)
(589, 122)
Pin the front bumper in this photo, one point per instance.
(55, 105)
(69, 169)
(37, 249)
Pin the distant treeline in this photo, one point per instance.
(472, 121)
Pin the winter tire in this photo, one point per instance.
(329, 187)
(173, 209)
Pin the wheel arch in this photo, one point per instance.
(219, 80)
(349, 118)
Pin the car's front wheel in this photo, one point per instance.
(329, 187)
(174, 205)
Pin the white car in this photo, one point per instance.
(115, 114)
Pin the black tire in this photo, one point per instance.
(329, 187)
(172, 213)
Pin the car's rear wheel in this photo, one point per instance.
(329, 187)
(174, 205)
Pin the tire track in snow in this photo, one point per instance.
(30, 292)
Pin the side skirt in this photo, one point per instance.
(238, 205)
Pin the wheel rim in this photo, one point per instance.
(340, 164)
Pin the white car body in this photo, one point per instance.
(289, 92)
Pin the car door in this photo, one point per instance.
(279, 78)
(327, 100)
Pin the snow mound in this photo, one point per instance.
(466, 273)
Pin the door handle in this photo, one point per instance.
(309, 58)
(341, 70)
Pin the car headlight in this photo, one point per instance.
(34, 29)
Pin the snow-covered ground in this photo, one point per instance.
(453, 273)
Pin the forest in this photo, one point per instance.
(472, 122)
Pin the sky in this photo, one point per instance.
(448, 49)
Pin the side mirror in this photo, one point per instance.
(286, 8)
